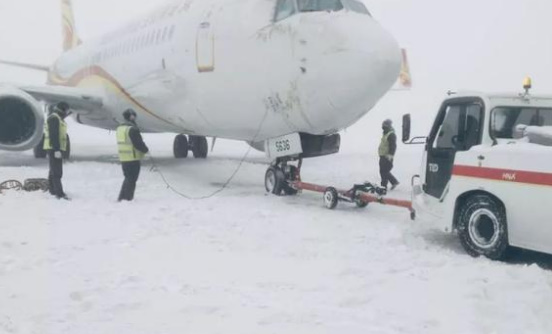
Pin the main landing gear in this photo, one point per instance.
(197, 144)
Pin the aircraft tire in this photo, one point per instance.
(482, 227)
(39, 151)
(274, 180)
(180, 147)
(200, 147)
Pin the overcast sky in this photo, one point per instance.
(472, 44)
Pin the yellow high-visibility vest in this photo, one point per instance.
(384, 145)
(127, 151)
(62, 134)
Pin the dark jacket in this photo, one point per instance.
(53, 128)
(136, 139)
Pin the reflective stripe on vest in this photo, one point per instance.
(127, 151)
(384, 145)
(62, 134)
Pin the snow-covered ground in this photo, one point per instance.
(243, 261)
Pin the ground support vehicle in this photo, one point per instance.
(487, 171)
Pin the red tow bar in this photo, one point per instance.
(361, 198)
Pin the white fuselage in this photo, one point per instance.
(224, 68)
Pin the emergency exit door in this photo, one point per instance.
(205, 48)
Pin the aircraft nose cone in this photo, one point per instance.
(356, 64)
(383, 58)
(370, 66)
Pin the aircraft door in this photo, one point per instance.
(205, 48)
(457, 128)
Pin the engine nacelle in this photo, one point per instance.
(21, 120)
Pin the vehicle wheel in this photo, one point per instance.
(291, 175)
(482, 227)
(180, 147)
(200, 147)
(67, 153)
(360, 203)
(330, 198)
(274, 180)
(39, 151)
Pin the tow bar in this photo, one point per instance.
(360, 194)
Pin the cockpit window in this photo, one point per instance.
(356, 6)
(284, 9)
(319, 5)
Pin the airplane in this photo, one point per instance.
(284, 76)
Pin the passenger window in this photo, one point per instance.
(319, 5)
(284, 9)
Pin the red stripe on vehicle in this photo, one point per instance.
(508, 175)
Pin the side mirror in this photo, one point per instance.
(406, 128)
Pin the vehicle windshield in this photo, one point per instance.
(505, 120)
(319, 5)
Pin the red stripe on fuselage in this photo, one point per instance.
(507, 175)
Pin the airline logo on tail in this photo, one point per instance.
(70, 37)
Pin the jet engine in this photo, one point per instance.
(21, 120)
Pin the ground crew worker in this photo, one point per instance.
(131, 150)
(55, 142)
(387, 149)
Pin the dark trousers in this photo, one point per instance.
(131, 170)
(55, 174)
(385, 171)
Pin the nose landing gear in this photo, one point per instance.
(280, 176)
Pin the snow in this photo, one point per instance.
(243, 261)
(541, 135)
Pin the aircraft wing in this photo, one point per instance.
(81, 101)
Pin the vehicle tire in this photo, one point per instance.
(274, 180)
(290, 176)
(67, 153)
(482, 227)
(180, 147)
(39, 151)
(330, 198)
(360, 203)
(200, 147)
